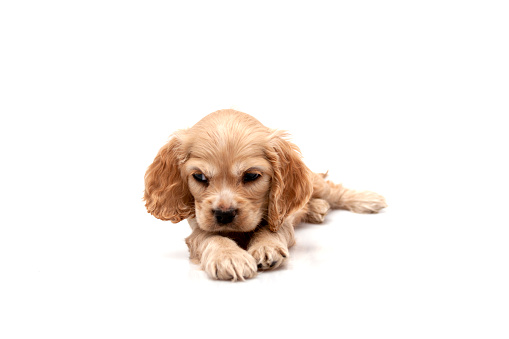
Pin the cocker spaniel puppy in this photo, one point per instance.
(242, 187)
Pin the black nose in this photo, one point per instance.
(225, 217)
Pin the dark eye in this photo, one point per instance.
(248, 177)
(200, 177)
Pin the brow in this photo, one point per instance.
(240, 170)
(204, 170)
(255, 168)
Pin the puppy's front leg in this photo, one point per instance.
(220, 257)
(270, 249)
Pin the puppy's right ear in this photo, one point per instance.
(167, 196)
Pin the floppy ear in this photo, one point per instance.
(167, 196)
(291, 185)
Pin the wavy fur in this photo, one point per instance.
(242, 187)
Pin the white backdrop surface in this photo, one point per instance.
(408, 99)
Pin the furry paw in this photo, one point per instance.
(317, 210)
(230, 265)
(269, 257)
(366, 202)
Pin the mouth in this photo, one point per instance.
(230, 227)
(226, 229)
(237, 225)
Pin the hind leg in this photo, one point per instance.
(340, 197)
(314, 212)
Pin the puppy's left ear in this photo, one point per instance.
(167, 196)
(291, 185)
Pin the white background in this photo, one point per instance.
(405, 98)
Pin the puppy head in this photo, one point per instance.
(229, 172)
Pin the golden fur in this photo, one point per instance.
(243, 187)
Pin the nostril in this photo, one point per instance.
(225, 217)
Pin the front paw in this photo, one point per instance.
(269, 256)
(232, 265)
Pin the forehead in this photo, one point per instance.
(228, 144)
